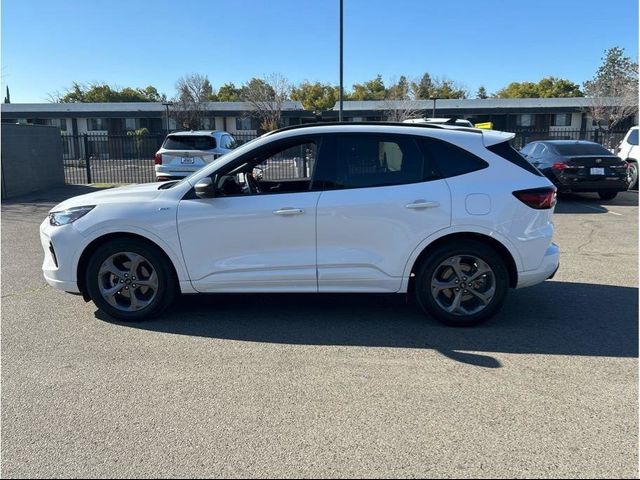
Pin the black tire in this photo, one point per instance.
(633, 175)
(607, 195)
(166, 282)
(426, 271)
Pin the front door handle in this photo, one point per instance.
(422, 204)
(288, 211)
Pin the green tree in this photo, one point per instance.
(316, 96)
(548, 87)
(423, 89)
(399, 91)
(482, 93)
(229, 93)
(370, 90)
(104, 93)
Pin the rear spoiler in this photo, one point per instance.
(493, 137)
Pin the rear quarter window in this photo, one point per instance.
(189, 142)
(507, 152)
(450, 160)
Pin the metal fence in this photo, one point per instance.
(125, 158)
(100, 158)
(607, 138)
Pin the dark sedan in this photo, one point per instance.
(579, 166)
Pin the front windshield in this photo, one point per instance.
(236, 151)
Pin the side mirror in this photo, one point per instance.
(205, 188)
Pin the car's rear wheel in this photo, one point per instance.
(607, 195)
(130, 279)
(632, 173)
(462, 283)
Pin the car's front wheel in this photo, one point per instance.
(130, 279)
(462, 283)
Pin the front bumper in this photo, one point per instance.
(547, 269)
(57, 267)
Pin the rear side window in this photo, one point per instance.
(372, 160)
(189, 142)
(449, 159)
(572, 149)
(507, 152)
(633, 137)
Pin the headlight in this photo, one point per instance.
(70, 215)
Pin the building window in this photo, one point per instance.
(131, 123)
(96, 124)
(525, 120)
(246, 123)
(561, 120)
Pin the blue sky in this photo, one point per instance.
(46, 44)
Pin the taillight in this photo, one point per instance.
(158, 159)
(538, 198)
(559, 166)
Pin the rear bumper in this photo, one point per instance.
(576, 184)
(547, 269)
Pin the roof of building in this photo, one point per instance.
(477, 103)
(127, 107)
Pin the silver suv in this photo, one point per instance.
(182, 153)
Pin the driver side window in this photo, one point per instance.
(286, 169)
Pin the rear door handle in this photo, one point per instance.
(418, 204)
(288, 211)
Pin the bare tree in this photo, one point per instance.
(613, 91)
(267, 96)
(401, 110)
(189, 104)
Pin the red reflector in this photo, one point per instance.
(158, 159)
(538, 198)
(559, 166)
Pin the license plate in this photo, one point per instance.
(597, 171)
(186, 161)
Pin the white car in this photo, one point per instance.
(630, 151)
(453, 215)
(182, 153)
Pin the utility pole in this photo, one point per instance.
(341, 63)
(167, 105)
(433, 115)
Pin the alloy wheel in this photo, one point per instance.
(463, 285)
(127, 281)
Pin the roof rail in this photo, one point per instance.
(392, 124)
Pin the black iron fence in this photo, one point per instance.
(100, 158)
(607, 138)
(127, 158)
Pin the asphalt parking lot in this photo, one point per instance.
(316, 386)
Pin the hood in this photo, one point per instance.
(127, 194)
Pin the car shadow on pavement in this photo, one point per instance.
(557, 318)
(591, 203)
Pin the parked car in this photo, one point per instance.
(439, 121)
(579, 166)
(454, 216)
(629, 151)
(182, 153)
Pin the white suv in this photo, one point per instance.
(182, 153)
(454, 215)
(629, 151)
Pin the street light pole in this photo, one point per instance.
(341, 64)
(433, 115)
(167, 105)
